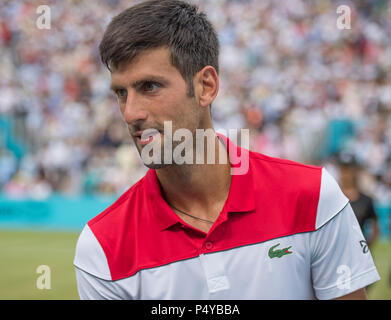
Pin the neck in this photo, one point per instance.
(197, 187)
(350, 190)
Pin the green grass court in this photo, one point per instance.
(23, 251)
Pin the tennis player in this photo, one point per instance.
(277, 230)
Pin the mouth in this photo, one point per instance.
(145, 137)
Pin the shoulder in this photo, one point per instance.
(101, 235)
(288, 166)
(331, 199)
(307, 194)
(115, 212)
(285, 178)
(365, 198)
(89, 255)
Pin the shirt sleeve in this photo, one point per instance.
(341, 262)
(90, 287)
(92, 272)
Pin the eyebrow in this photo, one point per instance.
(137, 83)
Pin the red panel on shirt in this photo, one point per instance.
(275, 198)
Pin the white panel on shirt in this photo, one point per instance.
(340, 261)
(331, 199)
(90, 255)
(327, 263)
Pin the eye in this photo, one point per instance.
(150, 86)
(121, 93)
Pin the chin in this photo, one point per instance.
(156, 166)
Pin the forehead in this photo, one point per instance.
(150, 63)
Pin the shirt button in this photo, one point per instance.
(209, 245)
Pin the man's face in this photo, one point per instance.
(348, 174)
(150, 91)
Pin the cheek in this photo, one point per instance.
(175, 105)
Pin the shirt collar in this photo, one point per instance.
(240, 197)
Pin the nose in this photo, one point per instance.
(133, 111)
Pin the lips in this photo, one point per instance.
(144, 142)
(146, 136)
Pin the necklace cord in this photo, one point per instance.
(187, 214)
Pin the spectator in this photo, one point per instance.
(288, 73)
(362, 204)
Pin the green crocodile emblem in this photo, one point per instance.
(278, 252)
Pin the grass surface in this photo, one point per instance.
(23, 251)
(381, 290)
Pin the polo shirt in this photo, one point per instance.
(286, 231)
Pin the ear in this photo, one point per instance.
(207, 86)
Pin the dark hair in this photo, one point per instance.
(347, 159)
(188, 34)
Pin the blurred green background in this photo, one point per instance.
(23, 251)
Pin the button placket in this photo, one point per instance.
(214, 271)
(208, 245)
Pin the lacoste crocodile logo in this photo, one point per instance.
(278, 252)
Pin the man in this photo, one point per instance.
(278, 230)
(361, 203)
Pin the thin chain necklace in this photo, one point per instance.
(204, 220)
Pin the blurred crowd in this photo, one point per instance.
(305, 88)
